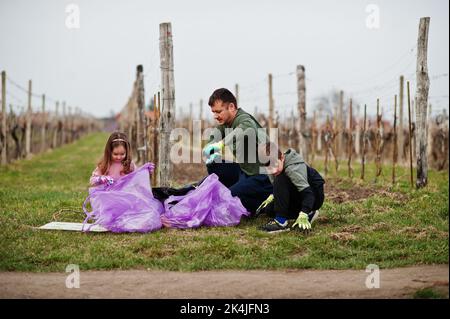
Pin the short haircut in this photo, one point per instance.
(224, 95)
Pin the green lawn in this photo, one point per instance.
(395, 226)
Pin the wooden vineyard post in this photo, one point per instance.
(70, 121)
(363, 155)
(4, 121)
(401, 135)
(141, 123)
(423, 84)
(394, 160)
(327, 143)
(378, 142)
(64, 123)
(350, 141)
(410, 135)
(339, 125)
(55, 126)
(168, 104)
(44, 122)
(301, 96)
(28, 123)
(335, 133)
(313, 138)
(358, 131)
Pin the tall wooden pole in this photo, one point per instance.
(339, 122)
(327, 143)
(190, 118)
(56, 126)
(378, 143)
(423, 84)
(64, 123)
(413, 116)
(271, 106)
(28, 125)
(363, 157)
(70, 125)
(319, 133)
(141, 127)
(168, 103)
(155, 136)
(394, 160)
(401, 138)
(410, 135)
(314, 137)
(4, 120)
(358, 130)
(335, 132)
(350, 141)
(44, 122)
(301, 96)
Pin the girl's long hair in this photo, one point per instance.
(116, 139)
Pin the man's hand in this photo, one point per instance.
(215, 158)
(265, 203)
(213, 148)
(302, 221)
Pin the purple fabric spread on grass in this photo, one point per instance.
(127, 205)
(211, 204)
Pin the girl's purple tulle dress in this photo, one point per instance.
(129, 205)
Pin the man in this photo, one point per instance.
(241, 133)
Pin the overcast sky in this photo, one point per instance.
(218, 44)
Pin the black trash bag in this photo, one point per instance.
(162, 193)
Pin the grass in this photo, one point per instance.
(430, 293)
(394, 226)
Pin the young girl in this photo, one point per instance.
(116, 161)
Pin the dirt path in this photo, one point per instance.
(394, 283)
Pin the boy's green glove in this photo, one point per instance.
(302, 221)
(265, 203)
(213, 148)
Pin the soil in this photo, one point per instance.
(335, 191)
(289, 284)
(186, 173)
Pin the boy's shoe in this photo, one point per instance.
(274, 226)
(312, 216)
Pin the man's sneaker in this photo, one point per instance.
(274, 226)
(313, 216)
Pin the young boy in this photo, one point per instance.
(297, 190)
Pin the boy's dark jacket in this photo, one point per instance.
(300, 174)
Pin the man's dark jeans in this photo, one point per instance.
(252, 190)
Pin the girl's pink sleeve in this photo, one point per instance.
(95, 177)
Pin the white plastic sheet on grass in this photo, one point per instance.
(72, 227)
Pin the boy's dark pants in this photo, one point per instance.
(252, 190)
(288, 201)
